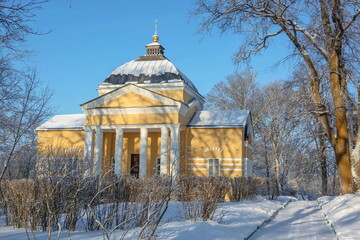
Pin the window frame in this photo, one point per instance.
(213, 167)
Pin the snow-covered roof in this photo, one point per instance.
(220, 119)
(153, 67)
(68, 121)
(154, 71)
(148, 68)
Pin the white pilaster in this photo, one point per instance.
(88, 149)
(143, 152)
(164, 150)
(118, 151)
(98, 151)
(175, 150)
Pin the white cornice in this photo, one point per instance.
(134, 110)
(59, 129)
(192, 92)
(137, 126)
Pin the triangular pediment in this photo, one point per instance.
(132, 99)
(130, 96)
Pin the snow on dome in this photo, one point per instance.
(153, 67)
(149, 71)
(68, 121)
(147, 68)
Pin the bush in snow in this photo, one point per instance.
(245, 188)
(57, 203)
(200, 195)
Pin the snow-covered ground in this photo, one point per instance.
(241, 219)
(343, 213)
(299, 220)
(231, 221)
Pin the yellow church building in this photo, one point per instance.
(149, 120)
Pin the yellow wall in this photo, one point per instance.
(179, 95)
(132, 99)
(196, 147)
(108, 151)
(173, 94)
(132, 118)
(61, 138)
(224, 144)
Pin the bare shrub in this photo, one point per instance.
(125, 203)
(55, 203)
(245, 188)
(200, 196)
(18, 200)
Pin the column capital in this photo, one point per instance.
(143, 129)
(119, 129)
(87, 128)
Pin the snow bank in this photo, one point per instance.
(343, 213)
(233, 220)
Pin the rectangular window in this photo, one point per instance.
(214, 167)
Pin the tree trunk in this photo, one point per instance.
(322, 159)
(342, 151)
(277, 176)
(271, 195)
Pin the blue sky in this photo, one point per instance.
(89, 39)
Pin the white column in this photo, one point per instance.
(164, 150)
(175, 150)
(98, 151)
(143, 152)
(88, 150)
(118, 151)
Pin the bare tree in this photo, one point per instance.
(320, 31)
(20, 116)
(236, 92)
(276, 119)
(313, 129)
(15, 16)
(23, 104)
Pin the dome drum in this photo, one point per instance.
(142, 78)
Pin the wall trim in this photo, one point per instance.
(133, 110)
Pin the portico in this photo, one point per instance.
(108, 153)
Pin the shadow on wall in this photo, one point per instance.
(215, 143)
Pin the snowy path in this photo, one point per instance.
(299, 220)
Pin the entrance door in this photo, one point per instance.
(134, 168)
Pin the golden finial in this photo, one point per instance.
(155, 37)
